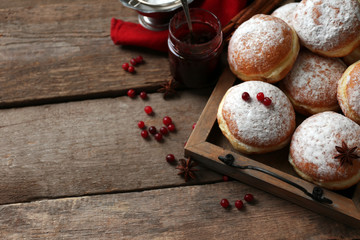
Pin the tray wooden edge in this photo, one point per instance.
(342, 209)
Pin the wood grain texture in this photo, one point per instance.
(93, 146)
(53, 51)
(191, 212)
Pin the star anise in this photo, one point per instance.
(186, 168)
(346, 154)
(168, 87)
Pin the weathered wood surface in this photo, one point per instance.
(54, 50)
(191, 212)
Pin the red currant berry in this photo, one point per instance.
(194, 125)
(249, 197)
(158, 136)
(133, 62)
(267, 101)
(164, 130)
(171, 127)
(131, 93)
(225, 178)
(131, 69)
(144, 133)
(224, 203)
(170, 158)
(245, 96)
(152, 130)
(167, 120)
(260, 96)
(139, 59)
(143, 95)
(141, 124)
(148, 110)
(125, 66)
(239, 204)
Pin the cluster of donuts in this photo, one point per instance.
(305, 57)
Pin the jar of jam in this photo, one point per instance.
(194, 57)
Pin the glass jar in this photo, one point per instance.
(195, 58)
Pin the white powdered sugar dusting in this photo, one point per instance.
(313, 79)
(315, 139)
(285, 12)
(325, 24)
(256, 122)
(354, 92)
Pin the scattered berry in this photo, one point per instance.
(224, 203)
(164, 130)
(131, 93)
(152, 130)
(245, 96)
(171, 127)
(167, 120)
(141, 124)
(194, 125)
(133, 62)
(158, 136)
(266, 101)
(260, 96)
(170, 158)
(249, 197)
(143, 95)
(225, 178)
(239, 204)
(125, 66)
(131, 69)
(148, 110)
(139, 59)
(144, 133)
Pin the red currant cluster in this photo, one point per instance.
(132, 93)
(260, 97)
(239, 204)
(134, 61)
(164, 130)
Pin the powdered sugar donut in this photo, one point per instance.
(263, 48)
(250, 125)
(348, 92)
(311, 85)
(328, 27)
(316, 150)
(285, 12)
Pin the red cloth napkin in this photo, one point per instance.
(127, 33)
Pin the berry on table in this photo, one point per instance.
(141, 124)
(158, 137)
(249, 198)
(225, 178)
(139, 59)
(152, 130)
(144, 133)
(245, 96)
(148, 110)
(170, 158)
(224, 203)
(193, 126)
(260, 96)
(133, 62)
(167, 120)
(143, 95)
(131, 93)
(239, 204)
(266, 101)
(125, 66)
(164, 130)
(171, 127)
(131, 69)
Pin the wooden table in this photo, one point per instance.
(73, 163)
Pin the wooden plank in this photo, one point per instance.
(54, 51)
(93, 146)
(191, 212)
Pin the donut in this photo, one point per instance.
(317, 150)
(328, 27)
(348, 92)
(285, 12)
(250, 123)
(354, 56)
(311, 84)
(263, 48)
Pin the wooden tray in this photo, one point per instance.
(207, 143)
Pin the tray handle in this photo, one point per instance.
(317, 193)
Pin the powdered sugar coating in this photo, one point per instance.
(353, 92)
(252, 121)
(327, 24)
(253, 44)
(313, 80)
(286, 12)
(313, 146)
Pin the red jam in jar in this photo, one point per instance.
(194, 58)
